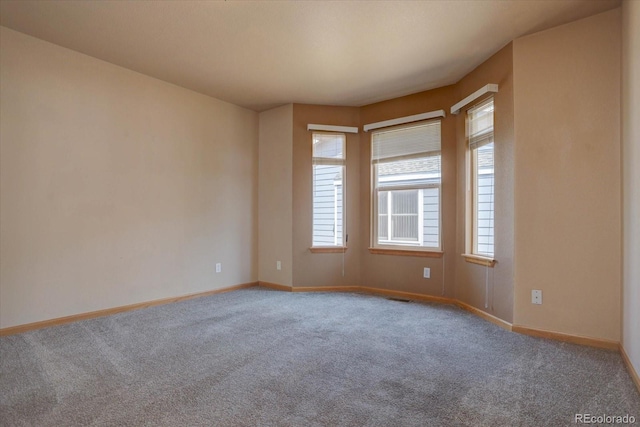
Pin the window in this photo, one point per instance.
(406, 168)
(481, 146)
(329, 159)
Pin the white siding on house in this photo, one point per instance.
(485, 201)
(431, 219)
(327, 205)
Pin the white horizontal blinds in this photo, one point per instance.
(329, 157)
(329, 148)
(328, 145)
(408, 142)
(481, 123)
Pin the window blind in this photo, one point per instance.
(328, 148)
(417, 141)
(481, 124)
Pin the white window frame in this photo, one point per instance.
(404, 245)
(337, 242)
(472, 216)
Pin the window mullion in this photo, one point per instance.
(389, 215)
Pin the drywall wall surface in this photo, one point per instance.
(567, 176)
(405, 273)
(324, 269)
(275, 196)
(489, 289)
(631, 180)
(116, 188)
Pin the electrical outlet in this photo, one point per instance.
(426, 273)
(278, 265)
(536, 296)
(218, 267)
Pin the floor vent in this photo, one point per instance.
(398, 299)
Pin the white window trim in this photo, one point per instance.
(374, 212)
(331, 162)
(489, 88)
(471, 215)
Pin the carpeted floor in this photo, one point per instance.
(261, 357)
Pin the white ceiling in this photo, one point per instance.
(259, 54)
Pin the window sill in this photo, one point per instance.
(480, 260)
(328, 249)
(406, 252)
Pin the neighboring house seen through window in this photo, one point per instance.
(406, 168)
(329, 167)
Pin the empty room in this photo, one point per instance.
(319, 213)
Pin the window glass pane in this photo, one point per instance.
(382, 202)
(327, 205)
(383, 217)
(404, 227)
(405, 202)
(481, 144)
(383, 228)
(404, 215)
(328, 151)
(413, 216)
(484, 200)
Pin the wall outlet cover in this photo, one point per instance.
(536, 296)
(426, 273)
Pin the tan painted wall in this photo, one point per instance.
(313, 269)
(116, 188)
(404, 273)
(489, 289)
(275, 195)
(631, 179)
(567, 172)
